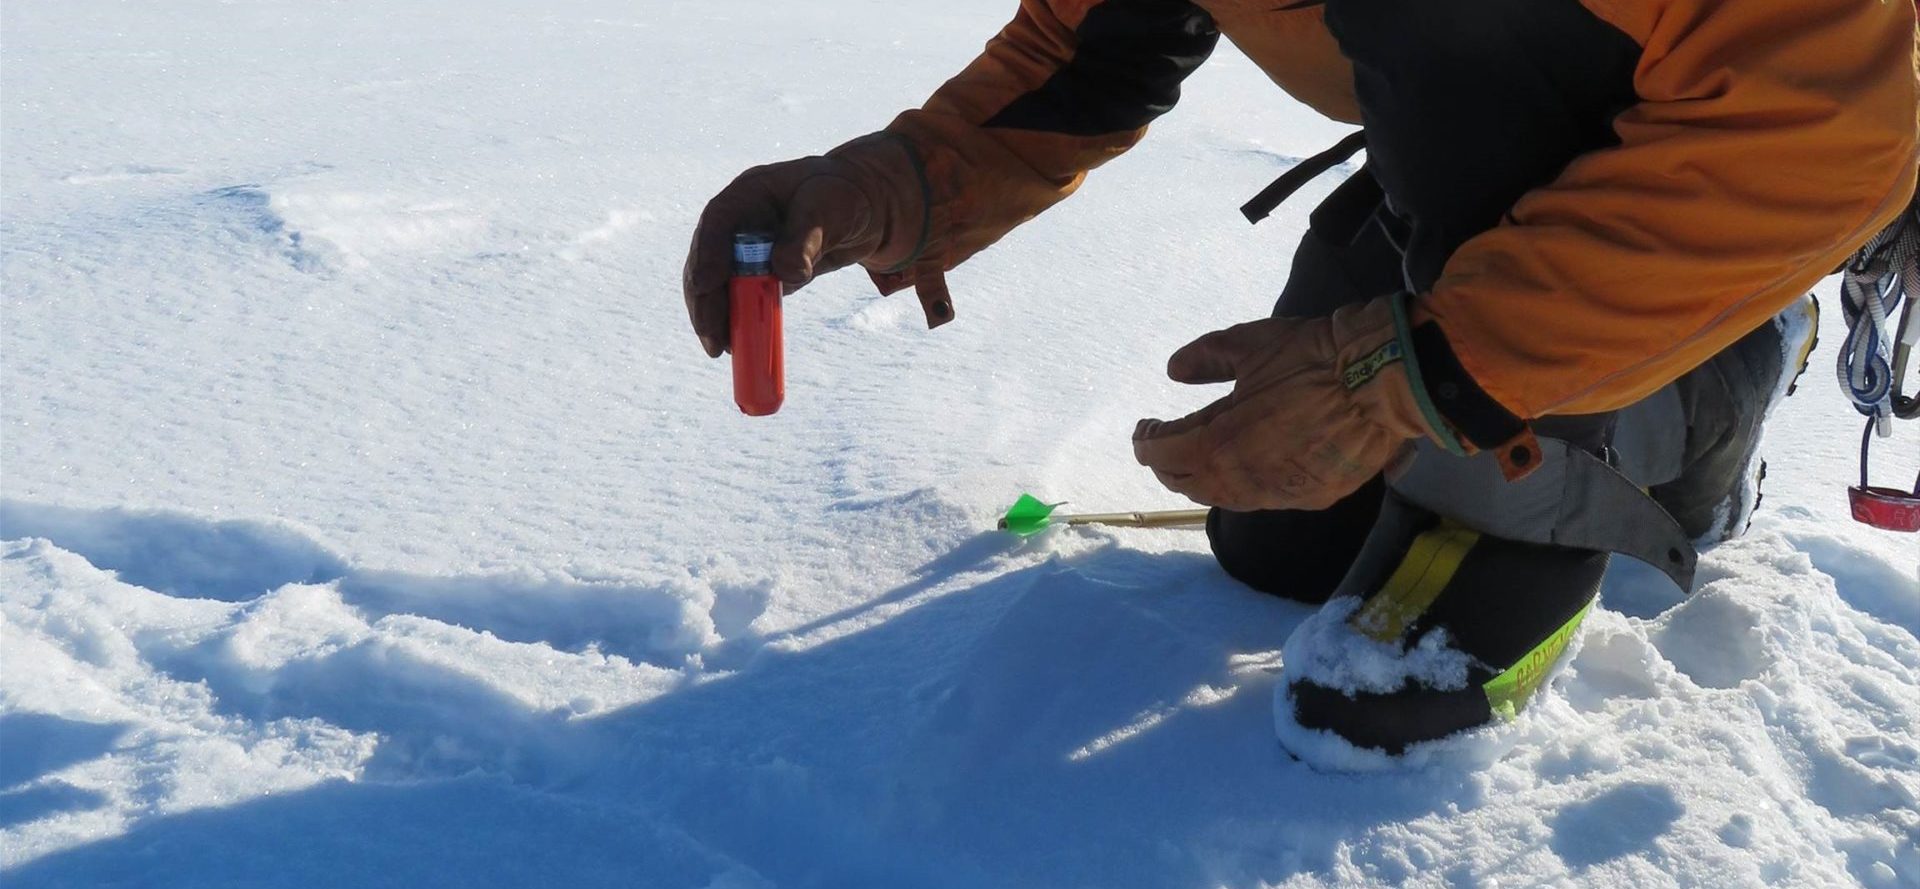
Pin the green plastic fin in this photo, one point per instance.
(1028, 515)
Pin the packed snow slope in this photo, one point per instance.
(370, 517)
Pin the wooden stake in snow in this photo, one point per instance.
(1030, 514)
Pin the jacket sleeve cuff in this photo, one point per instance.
(1444, 385)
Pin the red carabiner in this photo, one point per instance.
(1889, 509)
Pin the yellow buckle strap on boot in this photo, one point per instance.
(1423, 573)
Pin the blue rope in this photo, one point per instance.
(1873, 286)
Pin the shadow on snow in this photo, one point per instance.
(1102, 720)
(1095, 720)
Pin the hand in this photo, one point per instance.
(1319, 406)
(825, 213)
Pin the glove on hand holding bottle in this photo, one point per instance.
(859, 203)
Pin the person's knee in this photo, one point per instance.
(1295, 554)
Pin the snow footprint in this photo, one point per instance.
(367, 226)
(1714, 639)
(1619, 822)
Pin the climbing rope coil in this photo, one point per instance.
(1880, 279)
(1882, 276)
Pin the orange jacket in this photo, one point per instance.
(1772, 138)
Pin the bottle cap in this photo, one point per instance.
(752, 249)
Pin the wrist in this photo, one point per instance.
(1375, 368)
(887, 172)
(1452, 401)
(1396, 364)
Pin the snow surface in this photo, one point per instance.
(371, 518)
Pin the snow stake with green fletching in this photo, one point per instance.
(1029, 515)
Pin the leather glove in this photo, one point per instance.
(859, 203)
(1319, 407)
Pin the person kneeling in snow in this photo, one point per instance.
(1544, 323)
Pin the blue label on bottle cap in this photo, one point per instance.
(752, 249)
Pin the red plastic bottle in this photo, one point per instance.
(759, 354)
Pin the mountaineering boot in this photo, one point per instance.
(1438, 629)
(1726, 403)
(1470, 587)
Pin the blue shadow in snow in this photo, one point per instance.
(1617, 823)
(474, 832)
(36, 744)
(178, 554)
(1098, 720)
(33, 745)
(186, 556)
(28, 804)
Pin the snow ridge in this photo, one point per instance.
(1087, 686)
